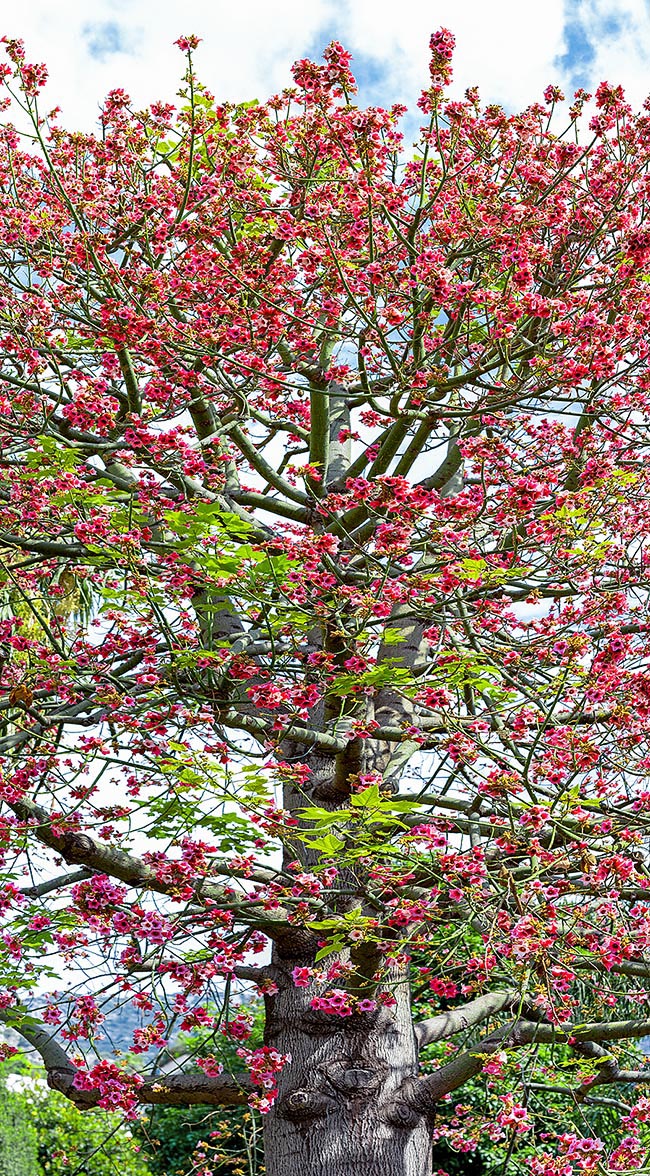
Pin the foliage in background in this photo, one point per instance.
(180, 1142)
(183, 1141)
(18, 1136)
(44, 1134)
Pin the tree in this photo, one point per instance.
(324, 516)
(69, 1141)
(18, 1141)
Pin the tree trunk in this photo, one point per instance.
(338, 1111)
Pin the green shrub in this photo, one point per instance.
(18, 1139)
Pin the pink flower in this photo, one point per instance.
(442, 44)
(186, 44)
(301, 977)
(210, 1066)
(336, 1001)
(117, 1090)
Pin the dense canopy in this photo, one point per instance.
(324, 651)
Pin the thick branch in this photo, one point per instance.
(263, 730)
(172, 1090)
(80, 848)
(525, 1032)
(423, 1093)
(445, 1025)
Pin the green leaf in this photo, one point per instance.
(387, 674)
(392, 636)
(328, 844)
(321, 816)
(329, 949)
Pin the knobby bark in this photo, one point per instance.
(344, 1105)
(340, 1110)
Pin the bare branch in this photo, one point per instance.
(423, 1093)
(445, 1025)
(58, 883)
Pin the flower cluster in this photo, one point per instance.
(264, 1065)
(116, 1089)
(342, 1004)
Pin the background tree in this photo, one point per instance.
(204, 1139)
(346, 446)
(70, 1141)
(184, 1142)
(18, 1139)
(43, 1134)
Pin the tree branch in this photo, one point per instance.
(58, 883)
(423, 1093)
(171, 1090)
(117, 863)
(445, 1025)
(263, 467)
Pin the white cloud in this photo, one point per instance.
(506, 47)
(617, 33)
(510, 48)
(246, 52)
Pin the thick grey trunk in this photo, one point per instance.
(338, 1111)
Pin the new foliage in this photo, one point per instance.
(324, 511)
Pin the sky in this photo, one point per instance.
(511, 49)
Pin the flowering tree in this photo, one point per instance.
(324, 507)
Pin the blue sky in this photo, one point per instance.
(510, 48)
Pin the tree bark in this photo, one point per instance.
(339, 1110)
(344, 1105)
